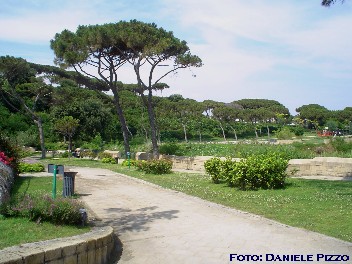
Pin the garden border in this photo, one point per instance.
(98, 246)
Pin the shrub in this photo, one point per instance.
(162, 166)
(55, 145)
(27, 167)
(213, 168)
(298, 131)
(108, 160)
(44, 208)
(102, 155)
(255, 172)
(65, 154)
(131, 161)
(339, 144)
(285, 133)
(171, 149)
(88, 154)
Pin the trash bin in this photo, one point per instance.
(69, 183)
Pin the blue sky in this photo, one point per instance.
(295, 52)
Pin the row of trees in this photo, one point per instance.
(85, 115)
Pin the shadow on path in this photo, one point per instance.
(136, 220)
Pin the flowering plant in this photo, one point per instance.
(5, 159)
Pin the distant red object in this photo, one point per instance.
(325, 133)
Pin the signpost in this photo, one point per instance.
(55, 169)
(129, 159)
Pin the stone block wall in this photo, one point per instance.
(95, 247)
(320, 166)
(7, 178)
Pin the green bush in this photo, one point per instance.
(44, 208)
(132, 162)
(171, 149)
(162, 166)
(108, 160)
(55, 145)
(102, 155)
(255, 172)
(339, 144)
(27, 167)
(65, 154)
(213, 167)
(298, 131)
(88, 154)
(285, 133)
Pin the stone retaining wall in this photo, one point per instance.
(7, 178)
(320, 166)
(95, 247)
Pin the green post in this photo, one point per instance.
(129, 159)
(54, 182)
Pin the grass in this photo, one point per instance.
(321, 206)
(15, 231)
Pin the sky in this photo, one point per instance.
(294, 51)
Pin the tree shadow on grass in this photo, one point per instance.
(136, 220)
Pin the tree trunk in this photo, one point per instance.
(185, 132)
(122, 120)
(159, 137)
(223, 131)
(200, 135)
(69, 145)
(235, 134)
(146, 133)
(267, 127)
(152, 122)
(256, 133)
(39, 123)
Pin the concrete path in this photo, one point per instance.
(157, 225)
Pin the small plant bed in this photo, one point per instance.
(26, 218)
(27, 167)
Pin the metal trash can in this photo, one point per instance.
(69, 183)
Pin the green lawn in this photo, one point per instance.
(15, 231)
(317, 205)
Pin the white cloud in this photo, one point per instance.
(240, 41)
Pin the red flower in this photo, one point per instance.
(4, 159)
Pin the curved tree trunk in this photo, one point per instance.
(223, 131)
(234, 131)
(267, 128)
(39, 123)
(122, 120)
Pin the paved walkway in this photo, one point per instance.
(163, 226)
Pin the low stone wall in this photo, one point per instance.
(320, 166)
(7, 178)
(114, 154)
(188, 163)
(95, 247)
(143, 156)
